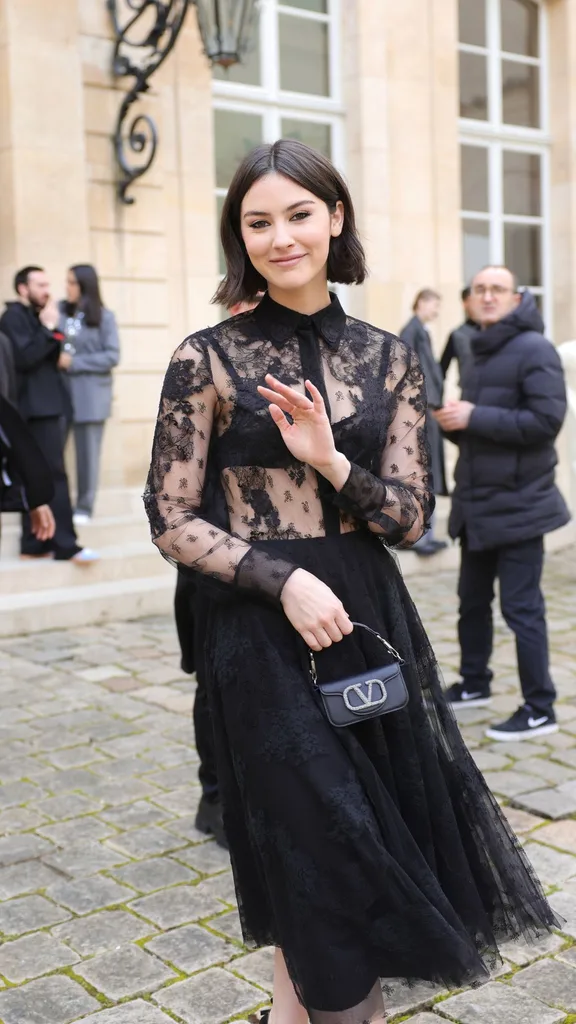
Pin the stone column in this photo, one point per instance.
(42, 182)
(401, 75)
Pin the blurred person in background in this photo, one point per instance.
(43, 401)
(26, 483)
(505, 498)
(415, 333)
(459, 344)
(92, 339)
(191, 629)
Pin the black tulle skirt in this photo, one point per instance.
(366, 853)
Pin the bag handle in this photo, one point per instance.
(359, 625)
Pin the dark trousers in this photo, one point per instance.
(518, 568)
(49, 433)
(190, 627)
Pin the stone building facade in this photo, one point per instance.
(452, 120)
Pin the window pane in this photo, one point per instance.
(221, 260)
(304, 56)
(319, 136)
(234, 135)
(522, 252)
(472, 22)
(473, 87)
(522, 184)
(248, 72)
(476, 246)
(320, 6)
(474, 175)
(520, 28)
(520, 94)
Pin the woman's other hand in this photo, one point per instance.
(309, 437)
(314, 610)
(42, 522)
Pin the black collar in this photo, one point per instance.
(279, 324)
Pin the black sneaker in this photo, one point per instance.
(460, 697)
(524, 723)
(209, 821)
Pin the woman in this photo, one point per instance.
(290, 443)
(426, 308)
(93, 343)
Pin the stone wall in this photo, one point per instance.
(158, 258)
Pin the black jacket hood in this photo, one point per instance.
(526, 317)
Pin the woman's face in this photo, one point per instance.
(287, 231)
(72, 289)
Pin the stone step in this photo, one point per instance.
(117, 562)
(86, 605)
(100, 532)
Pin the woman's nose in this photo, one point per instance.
(282, 237)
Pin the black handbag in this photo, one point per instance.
(371, 694)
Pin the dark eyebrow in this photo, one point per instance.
(263, 213)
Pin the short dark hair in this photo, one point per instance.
(22, 276)
(314, 172)
(423, 296)
(90, 299)
(466, 293)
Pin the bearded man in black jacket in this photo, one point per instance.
(505, 499)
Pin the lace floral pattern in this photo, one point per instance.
(211, 417)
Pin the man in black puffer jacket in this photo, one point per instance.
(505, 499)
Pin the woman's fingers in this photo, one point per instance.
(343, 622)
(310, 640)
(317, 399)
(278, 417)
(294, 397)
(277, 399)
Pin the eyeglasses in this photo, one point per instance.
(495, 289)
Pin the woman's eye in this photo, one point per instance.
(301, 215)
(259, 224)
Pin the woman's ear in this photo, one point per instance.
(337, 220)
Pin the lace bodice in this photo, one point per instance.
(221, 479)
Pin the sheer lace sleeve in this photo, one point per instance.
(398, 503)
(188, 406)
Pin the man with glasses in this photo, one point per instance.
(505, 498)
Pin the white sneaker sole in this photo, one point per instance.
(542, 730)
(477, 702)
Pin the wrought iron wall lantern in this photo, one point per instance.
(145, 32)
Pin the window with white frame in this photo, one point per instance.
(504, 145)
(288, 87)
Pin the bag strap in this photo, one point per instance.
(359, 625)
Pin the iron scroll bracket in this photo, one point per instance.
(139, 55)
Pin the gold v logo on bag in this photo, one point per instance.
(366, 695)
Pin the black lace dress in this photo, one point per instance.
(365, 853)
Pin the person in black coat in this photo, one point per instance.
(426, 308)
(25, 479)
(459, 344)
(505, 497)
(43, 402)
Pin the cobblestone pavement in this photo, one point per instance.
(115, 910)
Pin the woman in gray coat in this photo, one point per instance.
(92, 340)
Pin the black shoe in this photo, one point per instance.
(524, 723)
(209, 821)
(459, 696)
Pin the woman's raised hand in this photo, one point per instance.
(314, 610)
(309, 436)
